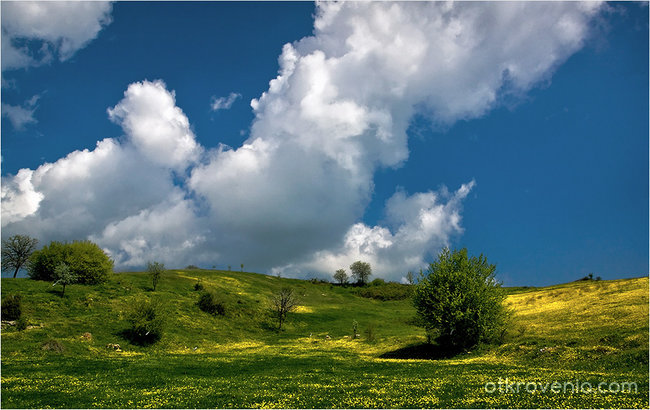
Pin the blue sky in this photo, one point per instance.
(390, 131)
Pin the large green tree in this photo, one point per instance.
(460, 300)
(361, 271)
(16, 251)
(87, 261)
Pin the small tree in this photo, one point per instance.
(242, 267)
(409, 278)
(361, 271)
(283, 303)
(341, 277)
(355, 329)
(460, 300)
(64, 276)
(155, 270)
(16, 252)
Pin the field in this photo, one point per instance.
(590, 338)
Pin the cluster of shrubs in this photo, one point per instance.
(381, 290)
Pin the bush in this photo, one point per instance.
(386, 291)
(198, 285)
(21, 323)
(460, 301)
(377, 282)
(210, 303)
(11, 307)
(147, 321)
(86, 261)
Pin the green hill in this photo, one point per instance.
(581, 334)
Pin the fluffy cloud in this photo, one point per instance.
(19, 199)
(224, 103)
(100, 192)
(59, 28)
(291, 198)
(169, 232)
(340, 107)
(156, 126)
(421, 223)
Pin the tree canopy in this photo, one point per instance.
(341, 276)
(87, 261)
(361, 271)
(460, 300)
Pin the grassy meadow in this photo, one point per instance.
(579, 334)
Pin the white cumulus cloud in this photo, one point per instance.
(60, 28)
(156, 126)
(421, 223)
(97, 193)
(292, 197)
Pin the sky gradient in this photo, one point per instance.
(297, 138)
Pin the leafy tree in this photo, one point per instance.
(361, 271)
(460, 300)
(242, 267)
(341, 277)
(64, 276)
(84, 258)
(284, 302)
(16, 251)
(155, 270)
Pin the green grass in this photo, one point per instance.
(589, 332)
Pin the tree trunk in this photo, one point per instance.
(16, 271)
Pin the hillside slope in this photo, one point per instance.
(589, 331)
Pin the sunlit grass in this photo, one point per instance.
(588, 331)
